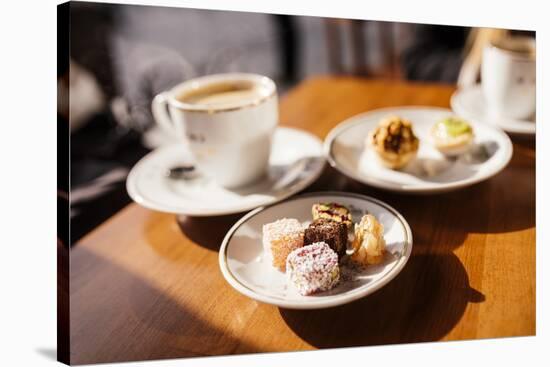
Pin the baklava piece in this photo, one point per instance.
(332, 211)
(369, 244)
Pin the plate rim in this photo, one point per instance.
(327, 303)
(133, 192)
(476, 88)
(390, 186)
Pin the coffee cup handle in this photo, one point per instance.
(160, 112)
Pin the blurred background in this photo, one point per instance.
(121, 56)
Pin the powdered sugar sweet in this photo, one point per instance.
(313, 268)
(280, 238)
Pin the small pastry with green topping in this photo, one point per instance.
(394, 142)
(452, 136)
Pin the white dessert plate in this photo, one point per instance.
(247, 268)
(296, 161)
(430, 172)
(470, 103)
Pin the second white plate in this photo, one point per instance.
(246, 269)
(430, 172)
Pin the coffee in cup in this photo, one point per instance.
(217, 95)
(227, 120)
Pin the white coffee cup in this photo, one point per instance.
(227, 120)
(508, 77)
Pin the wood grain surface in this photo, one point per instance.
(146, 285)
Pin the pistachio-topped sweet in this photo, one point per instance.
(455, 126)
(332, 211)
(452, 136)
(394, 141)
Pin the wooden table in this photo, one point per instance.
(146, 285)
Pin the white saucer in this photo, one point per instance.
(430, 171)
(296, 161)
(470, 103)
(246, 269)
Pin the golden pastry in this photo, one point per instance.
(394, 142)
(369, 244)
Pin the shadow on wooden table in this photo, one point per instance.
(207, 232)
(460, 212)
(409, 309)
(132, 319)
(528, 142)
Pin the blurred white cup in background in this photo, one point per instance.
(508, 77)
